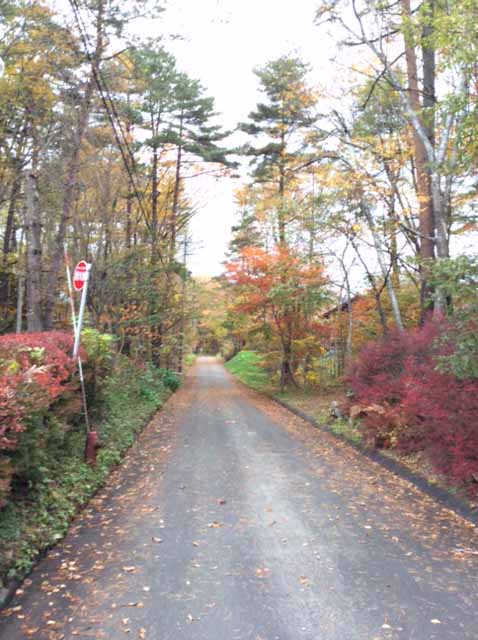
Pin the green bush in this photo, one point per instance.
(170, 379)
(457, 279)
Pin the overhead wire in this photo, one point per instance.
(111, 111)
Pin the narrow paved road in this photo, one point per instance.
(232, 519)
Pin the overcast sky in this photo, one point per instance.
(222, 42)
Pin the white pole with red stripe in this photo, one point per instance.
(80, 283)
(81, 276)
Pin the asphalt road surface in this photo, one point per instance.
(232, 519)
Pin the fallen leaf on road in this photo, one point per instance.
(129, 569)
(32, 631)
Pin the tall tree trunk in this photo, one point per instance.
(281, 213)
(154, 209)
(176, 193)
(422, 166)
(182, 324)
(5, 275)
(21, 293)
(73, 170)
(34, 254)
(129, 220)
(10, 222)
(393, 223)
(156, 343)
(20, 285)
(130, 194)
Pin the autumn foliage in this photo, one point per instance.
(407, 402)
(279, 291)
(35, 370)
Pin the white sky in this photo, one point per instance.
(220, 44)
(223, 41)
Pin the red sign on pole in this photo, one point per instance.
(79, 275)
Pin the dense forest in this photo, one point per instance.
(350, 266)
(96, 145)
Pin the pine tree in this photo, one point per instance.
(284, 121)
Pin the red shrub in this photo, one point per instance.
(444, 413)
(35, 370)
(379, 378)
(405, 402)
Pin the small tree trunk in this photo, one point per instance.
(287, 377)
(350, 323)
(20, 286)
(376, 292)
(21, 293)
(383, 268)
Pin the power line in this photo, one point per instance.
(110, 109)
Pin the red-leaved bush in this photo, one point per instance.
(35, 370)
(407, 403)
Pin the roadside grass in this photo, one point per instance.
(344, 429)
(39, 514)
(317, 403)
(247, 367)
(189, 360)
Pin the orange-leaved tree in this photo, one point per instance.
(282, 293)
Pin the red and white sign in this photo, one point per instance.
(80, 275)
